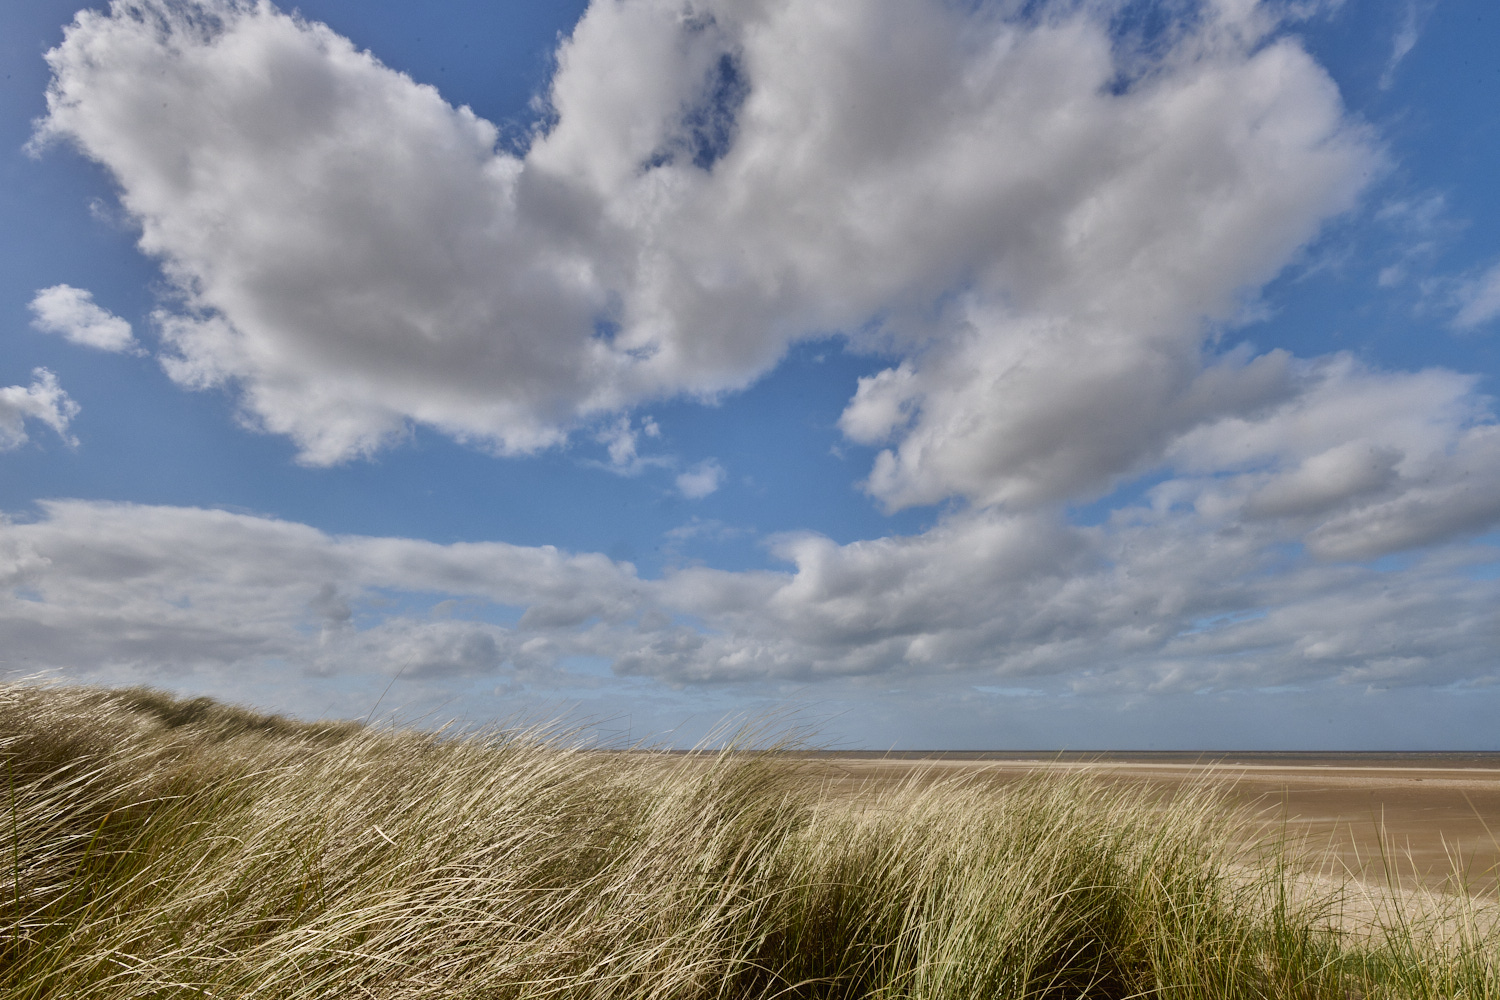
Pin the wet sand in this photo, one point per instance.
(1408, 818)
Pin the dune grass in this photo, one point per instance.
(163, 848)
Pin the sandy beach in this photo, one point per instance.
(1413, 818)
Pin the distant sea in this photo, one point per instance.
(1264, 758)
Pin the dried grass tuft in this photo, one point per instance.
(164, 848)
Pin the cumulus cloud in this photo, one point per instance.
(1088, 354)
(1156, 600)
(355, 254)
(42, 400)
(417, 648)
(1248, 565)
(1044, 225)
(701, 480)
(622, 438)
(347, 246)
(1357, 463)
(1012, 421)
(72, 312)
(96, 585)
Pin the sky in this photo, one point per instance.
(997, 374)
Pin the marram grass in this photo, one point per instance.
(157, 848)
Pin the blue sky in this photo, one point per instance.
(1081, 374)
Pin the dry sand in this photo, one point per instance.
(1408, 819)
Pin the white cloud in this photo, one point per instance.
(1089, 356)
(715, 187)
(1480, 300)
(42, 400)
(97, 586)
(1359, 463)
(622, 437)
(1045, 413)
(1046, 255)
(1152, 604)
(701, 480)
(417, 648)
(1324, 480)
(349, 248)
(1407, 35)
(1158, 600)
(72, 312)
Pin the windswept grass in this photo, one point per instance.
(162, 848)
